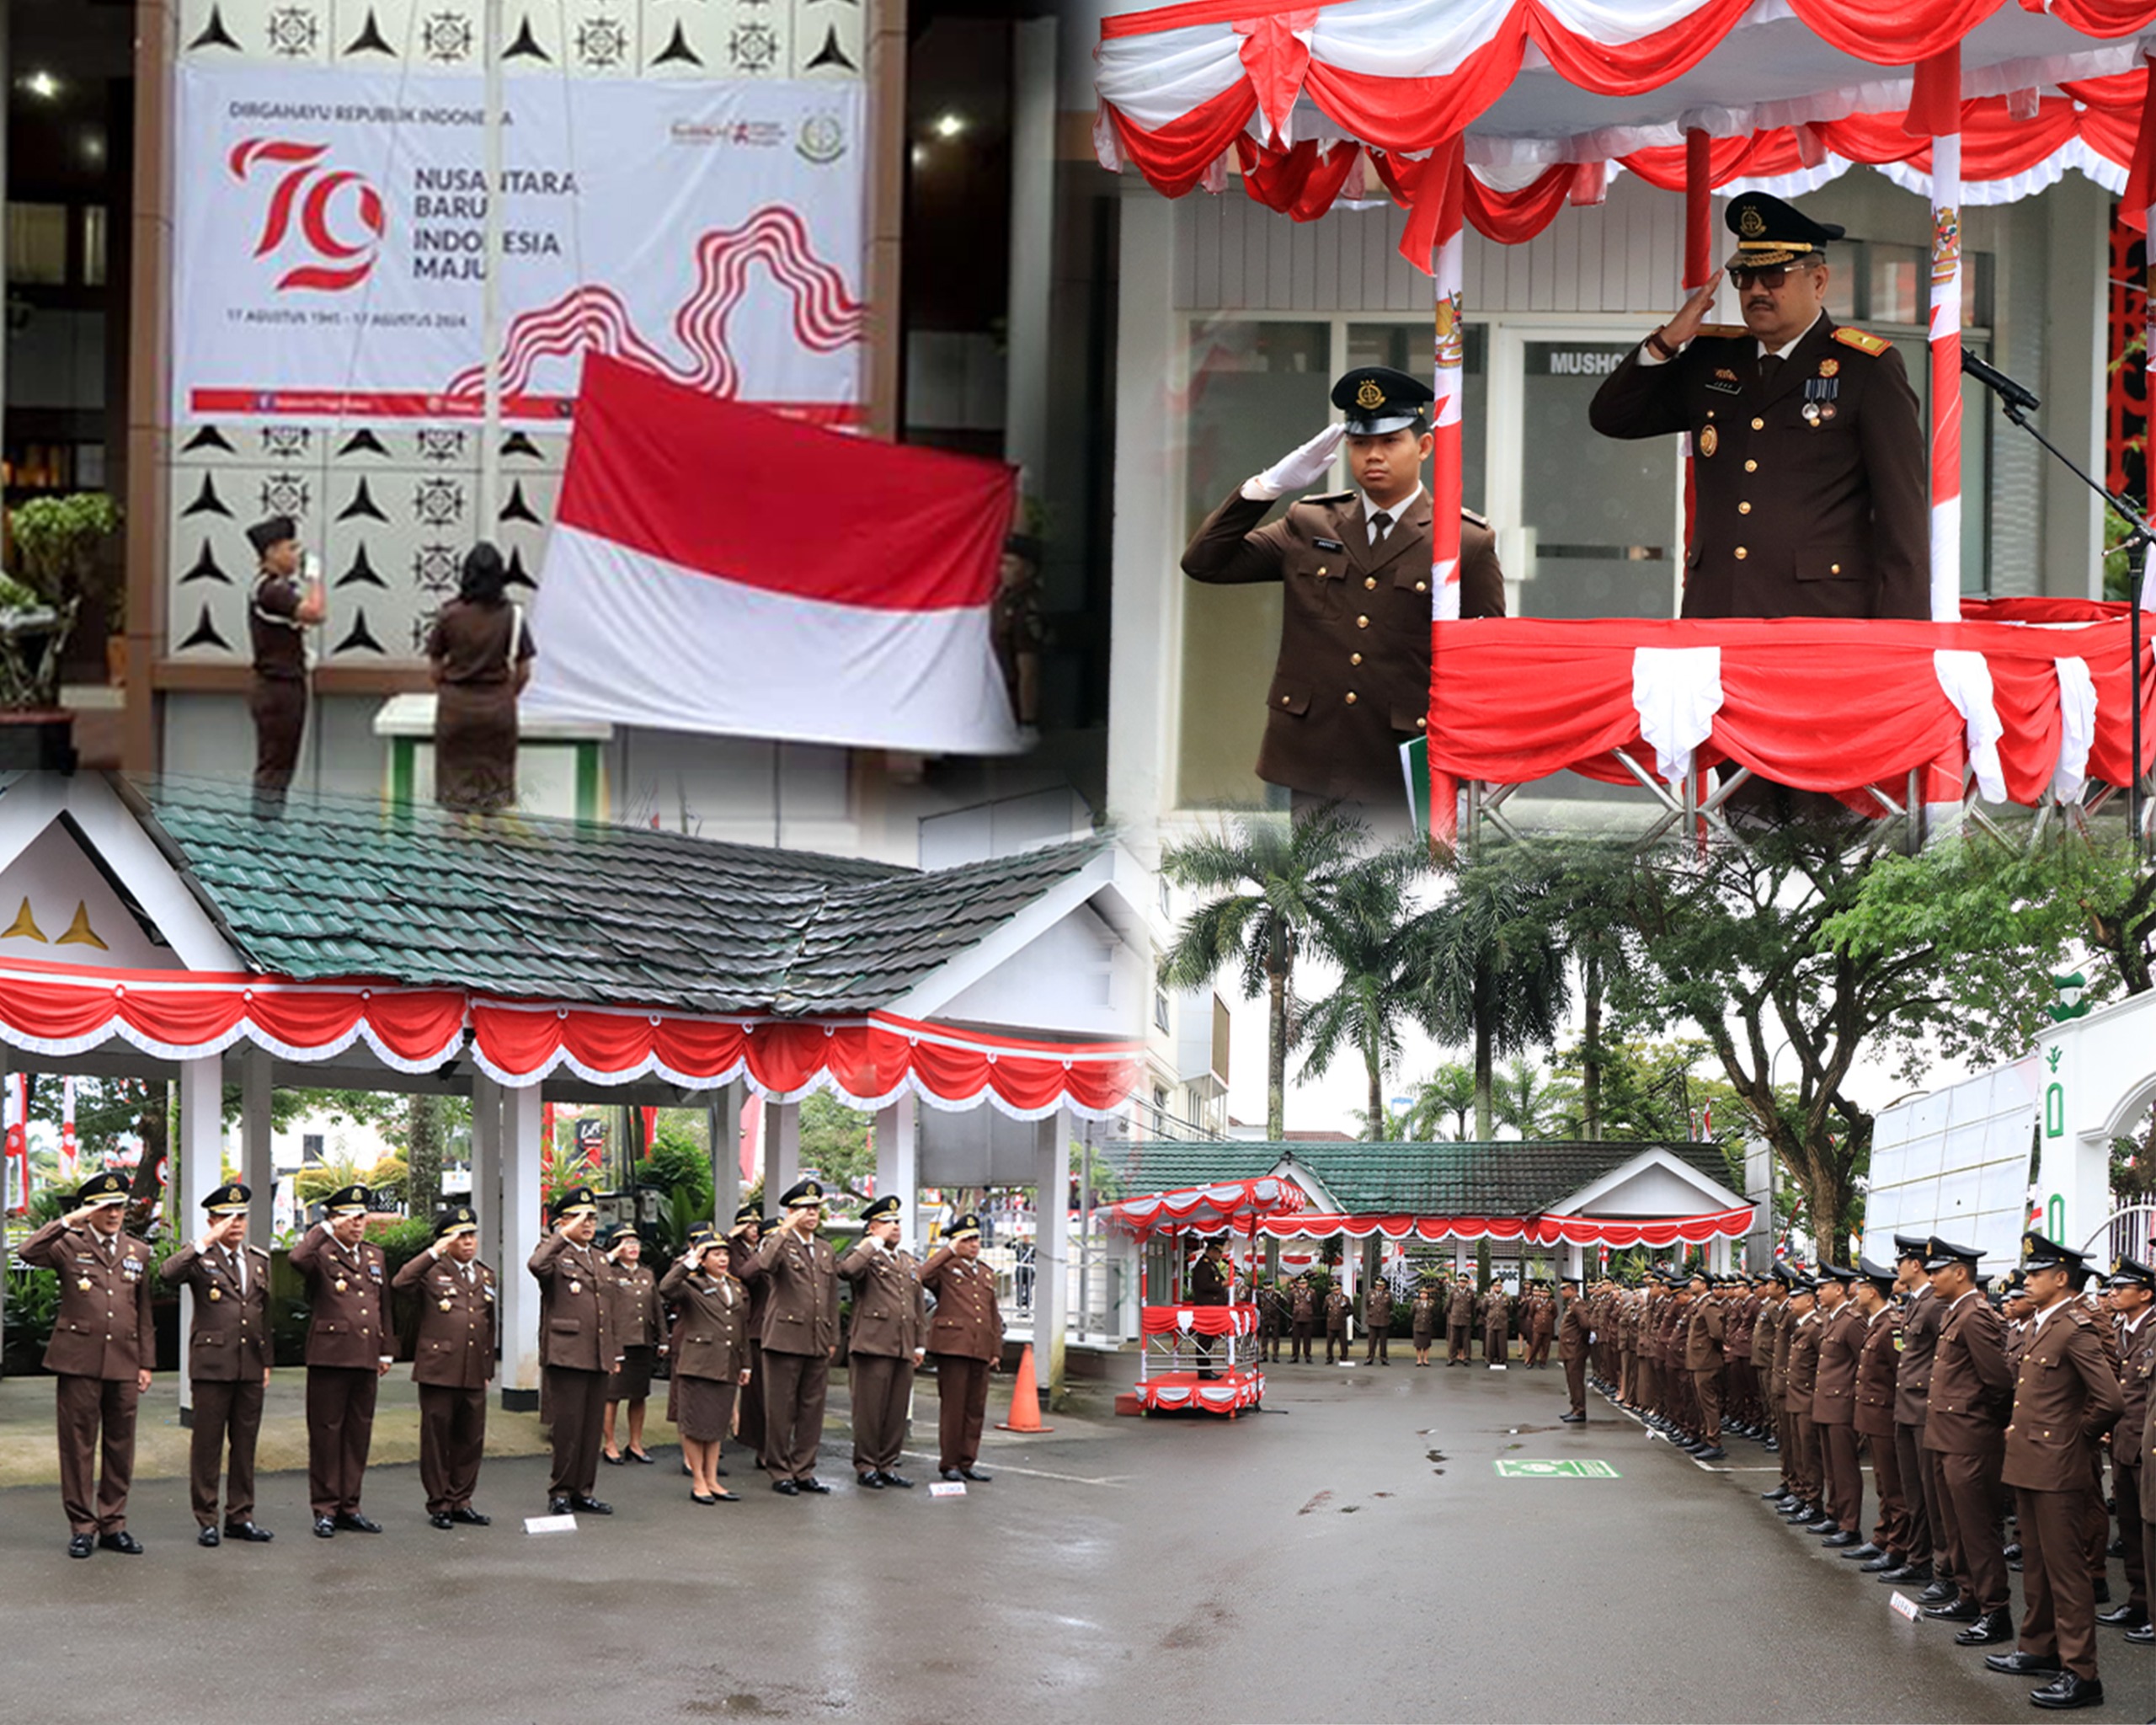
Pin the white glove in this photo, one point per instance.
(1301, 467)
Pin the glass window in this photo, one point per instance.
(37, 244)
(1900, 282)
(1256, 390)
(1406, 347)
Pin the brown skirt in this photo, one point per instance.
(475, 747)
(703, 1408)
(631, 1381)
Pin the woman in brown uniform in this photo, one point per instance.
(1423, 1318)
(639, 1333)
(711, 1359)
(480, 652)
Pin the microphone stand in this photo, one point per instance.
(2015, 404)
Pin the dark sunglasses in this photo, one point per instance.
(1770, 278)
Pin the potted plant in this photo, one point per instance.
(58, 546)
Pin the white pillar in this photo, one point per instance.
(722, 1121)
(783, 1153)
(487, 1169)
(898, 1164)
(1051, 1248)
(1030, 328)
(201, 1158)
(257, 1162)
(522, 1226)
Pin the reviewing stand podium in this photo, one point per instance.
(561, 764)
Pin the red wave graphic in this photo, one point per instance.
(826, 316)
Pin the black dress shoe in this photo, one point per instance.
(786, 1488)
(613, 1461)
(356, 1523)
(1826, 1529)
(1880, 1565)
(1993, 1626)
(471, 1518)
(2021, 1664)
(248, 1532)
(2013, 1552)
(592, 1506)
(948, 1473)
(976, 1474)
(1773, 1446)
(870, 1480)
(897, 1479)
(81, 1545)
(1940, 1593)
(1953, 1611)
(2126, 1616)
(2142, 1637)
(810, 1483)
(1866, 1553)
(440, 1519)
(1715, 1453)
(1845, 1541)
(1572, 1418)
(2066, 1690)
(122, 1541)
(325, 1527)
(209, 1536)
(1777, 1494)
(641, 1458)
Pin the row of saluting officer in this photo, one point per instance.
(755, 1316)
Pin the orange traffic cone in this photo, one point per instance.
(1025, 1400)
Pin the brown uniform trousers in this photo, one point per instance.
(889, 1325)
(348, 1337)
(1800, 1446)
(577, 1356)
(1706, 1328)
(228, 1358)
(1875, 1362)
(2129, 1438)
(1352, 682)
(2066, 1396)
(1926, 1542)
(1302, 1321)
(1573, 1346)
(1377, 1319)
(1971, 1382)
(1833, 1413)
(801, 1330)
(1496, 1328)
(103, 1335)
(1460, 1325)
(1337, 1305)
(965, 1336)
(452, 1361)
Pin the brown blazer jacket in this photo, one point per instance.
(1303, 1306)
(1706, 1330)
(1766, 1348)
(711, 1339)
(1744, 1319)
(1575, 1332)
(2065, 1398)
(1834, 1389)
(968, 1321)
(1875, 1363)
(228, 1338)
(1496, 1313)
(1353, 679)
(348, 1301)
(454, 1349)
(1971, 1385)
(803, 1315)
(1377, 1305)
(1462, 1310)
(2137, 1369)
(1836, 521)
(576, 1307)
(890, 1312)
(103, 1327)
(1801, 1376)
(634, 1292)
(1920, 1322)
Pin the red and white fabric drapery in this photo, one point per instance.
(1210, 1209)
(867, 1061)
(1529, 1231)
(1200, 1321)
(1821, 706)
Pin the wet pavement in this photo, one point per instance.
(1350, 1551)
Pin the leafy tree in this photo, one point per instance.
(1532, 1104)
(1449, 1093)
(838, 1142)
(425, 1132)
(1366, 925)
(1273, 877)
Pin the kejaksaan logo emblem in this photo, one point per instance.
(330, 215)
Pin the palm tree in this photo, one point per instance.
(1273, 877)
(1497, 974)
(1365, 928)
(1449, 1093)
(1532, 1104)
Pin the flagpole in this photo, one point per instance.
(490, 297)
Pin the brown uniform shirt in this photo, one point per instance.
(890, 1312)
(471, 643)
(1705, 1329)
(803, 1313)
(2065, 1398)
(1353, 679)
(1462, 1310)
(229, 1340)
(274, 630)
(1834, 1389)
(1875, 1363)
(1377, 1306)
(2137, 1368)
(1971, 1385)
(712, 1337)
(968, 1321)
(1920, 1325)
(1835, 520)
(103, 1329)
(1801, 1373)
(576, 1307)
(455, 1347)
(634, 1291)
(348, 1301)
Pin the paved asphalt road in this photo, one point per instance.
(1349, 1553)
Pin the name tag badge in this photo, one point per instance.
(1328, 544)
(1725, 385)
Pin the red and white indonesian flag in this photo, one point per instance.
(716, 568)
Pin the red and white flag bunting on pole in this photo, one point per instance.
(17, 1155)
(70, 1150)
(716, 568)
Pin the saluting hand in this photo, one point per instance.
(1690, 315)
(1305, 465)
(76, 1218)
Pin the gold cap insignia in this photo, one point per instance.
(1369, 395)
(1751, 224)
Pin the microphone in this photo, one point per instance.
(2008, 391)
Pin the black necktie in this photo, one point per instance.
(1769, 364)
(1380, 524)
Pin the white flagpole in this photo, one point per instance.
(490, 298)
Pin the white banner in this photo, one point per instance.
(331, 242)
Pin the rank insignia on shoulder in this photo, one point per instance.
(1863, 340)
(1469, 514)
